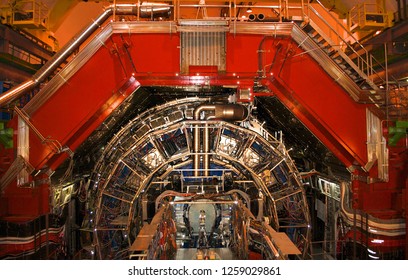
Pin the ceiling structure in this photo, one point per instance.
(136, 129)
(67, 17)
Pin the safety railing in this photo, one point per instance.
(283, 10)
(30, 13)
(367, 16)
(229, 12)
(26, 56)
(345, 40)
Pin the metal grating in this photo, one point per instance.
(203, 46)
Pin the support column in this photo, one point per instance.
(406, 219)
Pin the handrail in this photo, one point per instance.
(330, 66)
(389, 227)
(340, 24)
(66, 52)
(383, 68)
(365, 62)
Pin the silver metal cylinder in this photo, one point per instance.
(202, 108)
(252, 17)
(206, 150)
(59, 58)
(153, 10)
(227, 112)
(197, 141)
(260, 17)
(196, 150)
(231, 112)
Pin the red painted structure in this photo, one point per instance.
(81, 104)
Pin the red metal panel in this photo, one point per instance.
(310, 120)
(76, 102)
(388, 244)
(18, 248)
(242, 53)
(333, 117)
(331, 113)
(26, 202)
(93, 122)
(69, 115)
(152, 53)
(384, 199)
(82, 104)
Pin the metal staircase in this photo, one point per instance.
(353, 60)
(340, 57)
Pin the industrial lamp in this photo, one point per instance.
(249, 10)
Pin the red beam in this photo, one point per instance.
(312, 121)
(322, 104)
(88, 97)
(95, 120)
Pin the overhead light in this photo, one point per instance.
(371, 251)
(249, 10)
(377, 32)
(373, 257)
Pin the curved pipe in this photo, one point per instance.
(59, 58)
(226, 112)
(392, 227)
(196, 161)
(167, 194)
(260, 229)
(202, 108)
(244, 196)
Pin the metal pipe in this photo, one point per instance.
(196, 159)
(152, 10)
(263, 18)
(59, 58)
(202, 108)
(252, 17)
(15, 93)
(206, 150)
(399, 9)
(47, 237)
(197, 140)
(227, 112)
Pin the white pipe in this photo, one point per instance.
(59, 58)
(392, 227)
